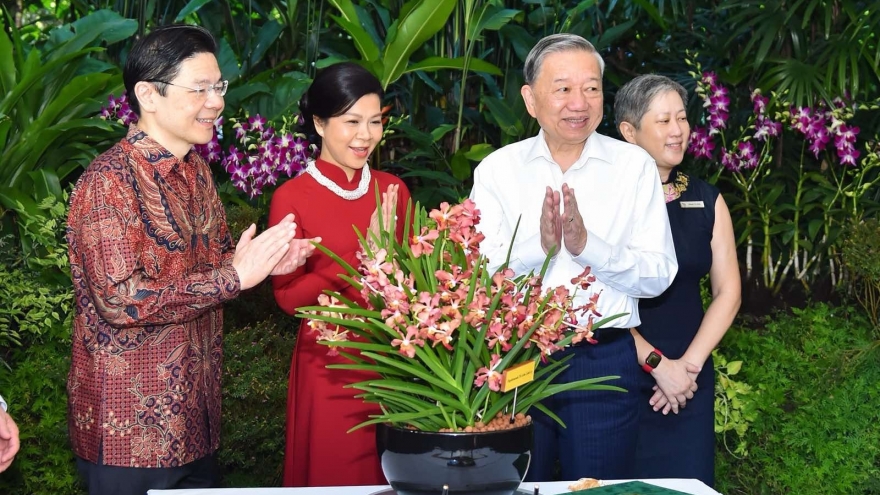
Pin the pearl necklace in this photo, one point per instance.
(322, 179)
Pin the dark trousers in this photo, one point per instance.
(116, 480)
(601, 427)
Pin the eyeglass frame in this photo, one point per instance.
(199, 91)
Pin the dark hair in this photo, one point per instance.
(157, 56)
(335, 90)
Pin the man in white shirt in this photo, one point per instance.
(8, 437)
(588, 200)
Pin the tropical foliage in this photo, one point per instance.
(814, 397)
(51, 93)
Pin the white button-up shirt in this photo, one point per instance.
(629, 245)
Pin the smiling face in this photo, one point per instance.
(566, 98)
(663, 131)
(182, 118)
(348, 139)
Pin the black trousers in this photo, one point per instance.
(116, 480)
(599, 440)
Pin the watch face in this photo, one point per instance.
(653, 359)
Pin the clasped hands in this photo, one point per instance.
(676, 384)
(558, 227)
(274, 252)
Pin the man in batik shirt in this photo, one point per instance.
(152, 262)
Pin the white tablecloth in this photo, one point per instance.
(693, 487)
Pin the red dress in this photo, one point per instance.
(318, 451)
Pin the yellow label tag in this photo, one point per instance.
(517, 376)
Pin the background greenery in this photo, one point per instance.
(798, 399)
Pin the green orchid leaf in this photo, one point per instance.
(415, 370)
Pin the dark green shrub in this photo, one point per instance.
(818, 406)
(35, 389)
(28, 306)
(36, 294)
(255, 371)
(861, 256)
(256, 304)
(257, 347)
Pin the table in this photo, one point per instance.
(693, 487)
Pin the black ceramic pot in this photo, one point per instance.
(420, 463)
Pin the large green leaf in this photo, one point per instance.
(268, 34)
(228, 61)
(352, 24)
(420, 25)
(73, 94)
(652, 11)
(35, 74)
(492, 19)
(190, 8)
(610, 36)
(12, 199)
(502, 113)
(45, 183)
(439, 63)
(101, 26)
(519, 38)
(7, 62)
(26, 154)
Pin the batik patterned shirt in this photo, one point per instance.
(150, 257)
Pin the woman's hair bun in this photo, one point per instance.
(308, 123)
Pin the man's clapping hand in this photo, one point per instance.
(574, 232)
(551, 223)
(558, 226)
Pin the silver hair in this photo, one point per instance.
(561, 42)
(634, 99)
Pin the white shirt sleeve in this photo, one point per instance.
(646, 265)
(526, 253)
(3, 403)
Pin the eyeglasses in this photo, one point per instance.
(218, 89)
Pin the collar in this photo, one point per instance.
(594, 147)
(157, 155)
(672, 176)
(675, 185)
(337, 175)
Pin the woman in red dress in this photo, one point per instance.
(335, 194)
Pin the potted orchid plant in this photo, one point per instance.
(442, 331)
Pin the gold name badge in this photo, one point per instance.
(692, 204)
(518, 375)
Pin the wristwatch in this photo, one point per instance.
(652, 360)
